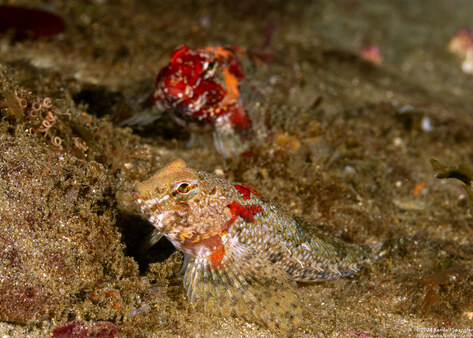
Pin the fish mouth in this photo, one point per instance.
(175, 92)
(147, 208)
(138, 198)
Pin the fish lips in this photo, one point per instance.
(147, 208)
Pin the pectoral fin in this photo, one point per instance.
(151, 239)
(144, 118)
(245, 284)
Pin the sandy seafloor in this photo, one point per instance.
(356, 163)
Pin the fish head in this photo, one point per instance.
(177, 202)
(199, 84)
(167, 193)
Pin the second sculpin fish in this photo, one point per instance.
(244, 252)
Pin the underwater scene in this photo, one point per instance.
(202, 168)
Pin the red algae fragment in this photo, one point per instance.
(30, 22)
(102, 329)
(22, 301)
(354, 332)
(70, 330)
(372, 54)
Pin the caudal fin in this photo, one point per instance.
(383, 248)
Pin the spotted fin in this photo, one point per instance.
(246, 285)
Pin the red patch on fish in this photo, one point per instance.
(245, 211)
(213, 244)
(246, 191)
(217, 254)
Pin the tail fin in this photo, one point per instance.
(383, 248)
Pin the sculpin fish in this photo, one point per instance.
(244, 252)
(199, 88)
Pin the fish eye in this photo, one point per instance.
(183, 188)
(184, 191)
(209, 68)
(211, 65)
